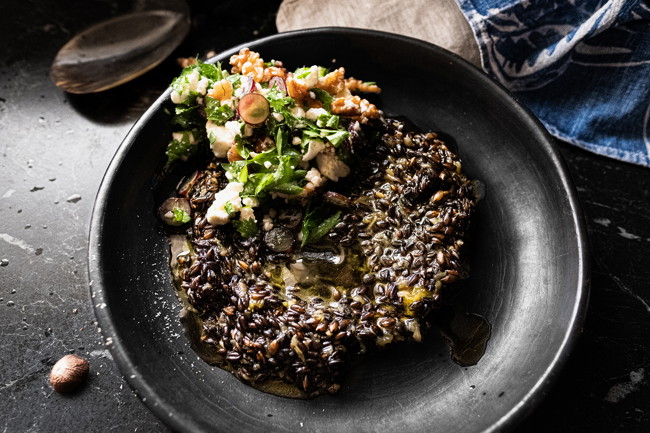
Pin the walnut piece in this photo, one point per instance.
(355, 108)
(249, 63)
(334, 82)
(355, 85)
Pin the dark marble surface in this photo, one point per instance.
(55, 147)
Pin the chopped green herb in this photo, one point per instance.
(328, 121)
(335, 137)
(302, 73)
(240, 145)
(187, 117)
(323, 97)
(246, 228)
(315, 225)
(287, 188)
(217, 112)
(182, 149)
(278, 101)
(180, 216)
(229, 208)
(209, 70)
(235, 80)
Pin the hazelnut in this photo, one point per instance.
(69, 373)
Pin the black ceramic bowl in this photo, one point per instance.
(528, 263)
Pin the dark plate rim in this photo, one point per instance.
(180, 421)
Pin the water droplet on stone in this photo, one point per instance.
(10, 303)
(36, 188)
(38, 251)
(4, 262)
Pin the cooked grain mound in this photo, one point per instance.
(303, 315)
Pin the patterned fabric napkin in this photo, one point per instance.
(582, 66)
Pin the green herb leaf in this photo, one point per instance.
(315, 225)
(302, 73)
(180, 215)
(323, 97)
(278, 101)
(336, 137)
(182, 149)
(246, 228)
(229, 208)
(330, 121)
(234, 80)
(279, 139)
(286, 188)
(264, 182)
(182, 82)
(187, 117)
(240, 145)
(216, 112)
(210, 70)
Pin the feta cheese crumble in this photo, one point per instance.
(222, 137)
(315, 147)
(217, 214)
(331, 166)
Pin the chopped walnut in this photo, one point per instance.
(356, 108)
(233, 155)
(249, 63)
(221, 90)
(355, 85)
(273, 71)
(334, 82)
(313, 103)
(296, 88)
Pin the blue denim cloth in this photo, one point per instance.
(582, 66)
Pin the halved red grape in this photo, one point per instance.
(279, 84)
(187, 183)
(253, 109)
(247, 85)
(175, 211)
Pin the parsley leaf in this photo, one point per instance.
(187, 116)
(278, 101)
(180, 215)
(182, 148)
(216, 112)
(315, 225)
(210, 70)
(328, 121)
(323, 97)
(246, 228)
(229, 208)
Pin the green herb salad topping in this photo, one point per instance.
(277, 134)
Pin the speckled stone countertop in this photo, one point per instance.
(55, 147)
